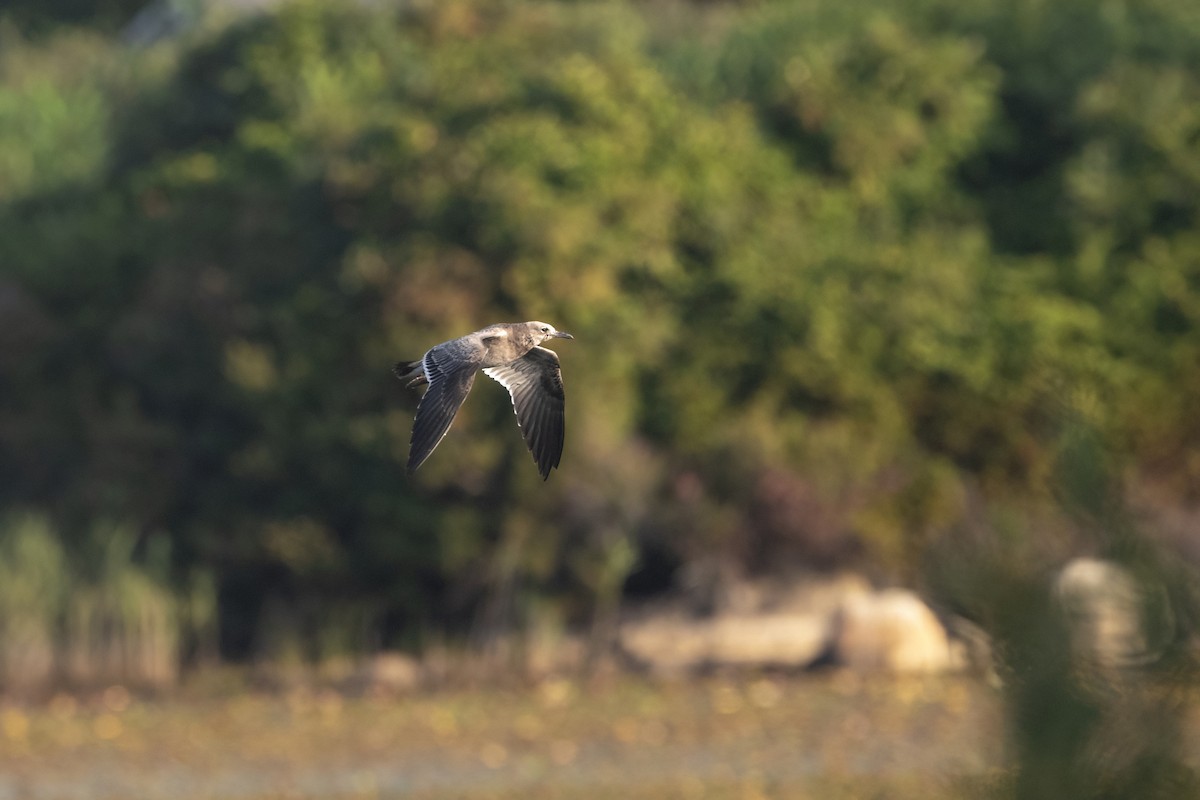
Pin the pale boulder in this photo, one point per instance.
(892, 631)
(1102, 604)
(766, 623)
(388, 673)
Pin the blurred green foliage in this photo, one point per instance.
(1084, 719)
(835, 270)
(92, 616)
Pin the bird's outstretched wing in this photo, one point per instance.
(535, 383)
(450, 373)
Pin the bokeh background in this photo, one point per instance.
(908, 291)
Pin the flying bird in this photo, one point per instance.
(509, 353)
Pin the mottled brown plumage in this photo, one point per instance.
(509, 353)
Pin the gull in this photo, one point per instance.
(509, 353)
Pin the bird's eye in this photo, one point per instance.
(545, 330)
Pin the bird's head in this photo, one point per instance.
(544, 330)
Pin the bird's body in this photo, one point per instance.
(509, 353)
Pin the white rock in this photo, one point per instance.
(1102, 604)
(775, 623)
(892, 631)
(389, 673)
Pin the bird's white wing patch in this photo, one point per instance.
(502, 375)
(535, 385)
(510, 379)
(425, 367)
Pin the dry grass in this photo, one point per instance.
(740, 737)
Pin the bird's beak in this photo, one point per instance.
(562, 335)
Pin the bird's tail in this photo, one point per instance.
(406, 369)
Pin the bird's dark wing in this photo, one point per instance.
(535, 383)
(451, 373)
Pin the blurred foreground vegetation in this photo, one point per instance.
(767, 739)
(845, 277)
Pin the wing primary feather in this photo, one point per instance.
(534, 383)
(438, 408)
